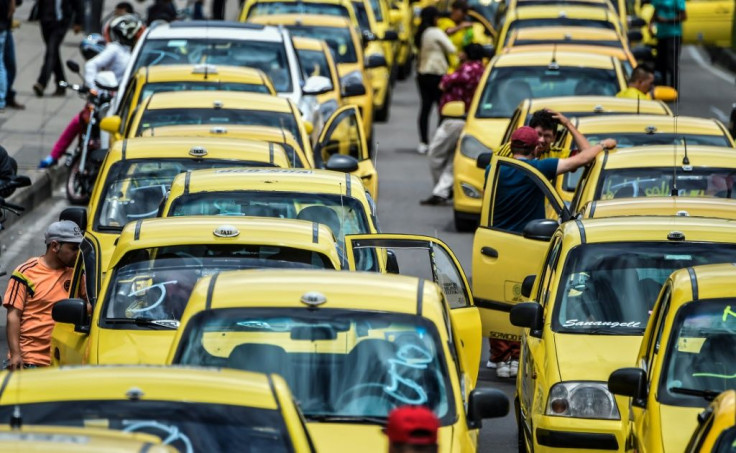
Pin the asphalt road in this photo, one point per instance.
(404, 180)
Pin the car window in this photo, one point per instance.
(181, 85)
(624, 140)
(656, 339)
(291, 7)
(314, 63)
(549, 270)
(657, 182)
(339, 40)
(557, 22)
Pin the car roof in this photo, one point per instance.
(523, 12)
(597, 105)
(214, 29)
(651, 228)
(645, 123)
(544, 57)
(713, 281)
(228, 99)
(222, 230)
(666, 206)
(666, 155)
(309, 20)
(571, 46)
(156, 383)
(215, 73)
(303, 43)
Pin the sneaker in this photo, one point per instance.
(422, 148)
(513, 368)
(503, 370)
(38, 89)
(15, 105)
(491, 365)
(434, 200)
(47, 162)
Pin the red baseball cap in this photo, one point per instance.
(414, 425)
(525, 136)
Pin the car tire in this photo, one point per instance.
(381, 115)
(464, 224)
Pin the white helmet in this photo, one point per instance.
(125, 29)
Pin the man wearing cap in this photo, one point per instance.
(412, 429)
(34, 288)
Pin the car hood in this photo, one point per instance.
(148, 347)
(488, 131)
(357, 438)
(594, 357)
(678, 425)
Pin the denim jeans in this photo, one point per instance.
(10, 66)
(3, 73)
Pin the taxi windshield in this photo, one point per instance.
(314, 63)
(610, 288)
(700, 360)
(339, 40)
(298, 7)
(188, 427)
(339, 364)
(134, 188)
(150, 287)
(506, 87)
(182, 85)
(154, 118)
(361, 14)
(657, 182)
(627, 140)
(377, 10)
(269, 57)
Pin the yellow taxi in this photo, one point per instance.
(153, 268)
(655, 171)
(594, 288)
(327, 8)
(65, 439)
(686, 358)
(508, 80)
(188, 409)
(336, 200)
(315, 58)
(155, 79)
(533, 16)
(352, 346)
(721, 208)
(716, 432)
(137, 173)
(345, 42)
(709, 22)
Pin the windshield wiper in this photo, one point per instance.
(708, 395)
(327, 418)
(160, 323)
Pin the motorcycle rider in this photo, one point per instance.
(124, 32)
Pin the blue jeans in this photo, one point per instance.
(3, 73)
(10, 67)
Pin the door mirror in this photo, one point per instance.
(528, 315)
(390, 35)
(342, 163)
(392, 263)
(106, 80)
(353, 88)
(527, 285)
(375, 61)
(635, 35)
(366, 37)
(483, 160)
(111, 124)
(636, 22)
(71, 311)
(540, 229)
(73, 66)
(77, 215)
(454, 109)
(317, 85)
(485, 403)
(630, 382)
(664, 93)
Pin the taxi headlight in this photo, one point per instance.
(470, 191)
(582, 400)
(472, 148)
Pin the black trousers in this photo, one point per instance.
(668, 60)
(53, 34)
(218, 9)
(430, 93)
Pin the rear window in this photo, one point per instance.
(657, 182)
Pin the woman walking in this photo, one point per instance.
(434, 47)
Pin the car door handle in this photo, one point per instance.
(489, 251)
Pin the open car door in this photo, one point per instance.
(709, 22)
(343, 134)
(503, 258)
(429, 258)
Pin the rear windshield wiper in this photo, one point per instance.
(708, 395)
(160, 323)
(327, 418)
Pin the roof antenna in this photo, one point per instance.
(674, 191)
(638, 103)
(553, 62)
(685, 161)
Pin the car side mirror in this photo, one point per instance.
(664, 93)
(630, 382)
(77, 215)
(527, 285)
(106, 80)
(540, 229)
(375, 61)
(353, 89)
(483, 160)
(528, 315)
(390, 35)
(72, 311)
(635, 35)
(453, 109)
(366, 37)
(636, 22)
(111, 124)
(392, 264)
(486, 403)
(342, 163)
(316, 85)
(73, 66)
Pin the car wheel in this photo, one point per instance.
(382, 114)
(463, 223)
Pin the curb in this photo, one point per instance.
(722, 57)
(43, 184)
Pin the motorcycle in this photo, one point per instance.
(9, 181)
(84, 163)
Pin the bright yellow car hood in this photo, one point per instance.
(354, 438)
(133, 347)
(678, 424)
(488, 131)
(107, 245)
(594, 357)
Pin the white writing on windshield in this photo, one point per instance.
(576, 323)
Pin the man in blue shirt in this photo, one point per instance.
(668, 18)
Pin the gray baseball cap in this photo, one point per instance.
(64, 231)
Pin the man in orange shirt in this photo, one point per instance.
(34, 288)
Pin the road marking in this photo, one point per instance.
(719, 113)
(720, 73)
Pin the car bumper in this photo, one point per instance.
(558, 434)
